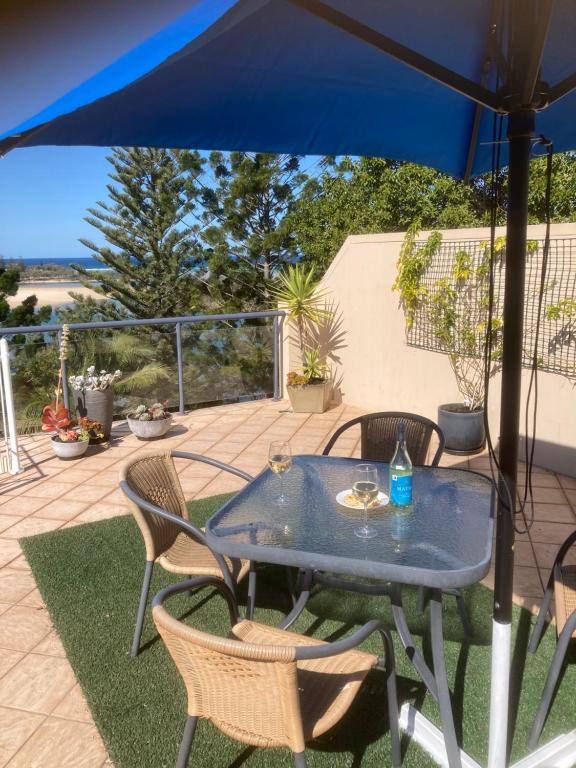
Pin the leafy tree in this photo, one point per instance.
(374, 195)
(152, 252)
(25, 313)
(245, 227)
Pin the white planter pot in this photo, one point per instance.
(147, 430)
(71, 450)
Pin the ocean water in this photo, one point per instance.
(87, 262)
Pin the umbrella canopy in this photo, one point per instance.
(312, 78)
(405, 79)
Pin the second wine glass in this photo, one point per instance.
(365, 489)
(280, 461)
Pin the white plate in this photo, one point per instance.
(342, 499)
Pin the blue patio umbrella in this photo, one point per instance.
(405, 79)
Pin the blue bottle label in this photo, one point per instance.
(401, 490)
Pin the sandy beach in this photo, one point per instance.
(53, 294)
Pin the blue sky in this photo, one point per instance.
(44, 52)
(44, 194)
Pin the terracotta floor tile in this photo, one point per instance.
(49, 489)
(4, 607)
(37, 683)
(64, 509)
(527, 582)
(61, 744)
(547, 532)
(107, 478)
(51, 646)
(523, 554)
(539, 480)
(9, 659)
(33, 599)
(554, 513)
(21, 627)
(7, 520)
(9, 550)
(101, 511)
(22, 506)
(15, 585)
(74, 707)
(567, 482)
(571, 495)
(21, 564)
(15, 729)
(549, 495)
(30, 526)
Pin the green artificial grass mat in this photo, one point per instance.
(90, 578)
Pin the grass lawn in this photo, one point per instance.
(90, 578)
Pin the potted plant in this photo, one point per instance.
(456, 308)
(147, 422)
(94, 396)
(67, 443)
(310, 388)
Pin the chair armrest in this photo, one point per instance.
(213, 463)
(306, 652)
(336, 435)
(564, 549)
(198, 583)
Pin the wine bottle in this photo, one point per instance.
(401, 471)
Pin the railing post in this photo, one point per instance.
(276, 356)
(10, 433)
(64, 369)
(180, 368)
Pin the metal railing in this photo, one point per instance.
(240, 318)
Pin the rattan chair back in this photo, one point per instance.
(250, 692)
(153, 476)
(378, 436)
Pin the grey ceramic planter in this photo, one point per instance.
(147, 430)
(98, 405)
(463, 430)
(312, 398)
(71, 450)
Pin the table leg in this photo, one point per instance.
(437, 636)
(300, 603)
(406, 638)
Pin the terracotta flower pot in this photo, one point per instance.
(69, 450)
(97, 405)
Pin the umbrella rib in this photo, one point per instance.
(536, 53)
(402, 53)
(492, 49)
(563, 88)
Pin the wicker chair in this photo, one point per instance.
(561, 584)
(267, 687)
(156, 500)
(378, 436)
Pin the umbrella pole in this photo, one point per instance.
(520, 133)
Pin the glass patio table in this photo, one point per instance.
(443, 542)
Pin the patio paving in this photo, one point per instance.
(44, 721)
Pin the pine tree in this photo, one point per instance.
(245, 228)
(152, 254)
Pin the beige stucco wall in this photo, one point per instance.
(379, 371)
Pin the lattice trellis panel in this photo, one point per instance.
(441, 287)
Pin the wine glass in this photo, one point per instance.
(280, 461)
(365, 489)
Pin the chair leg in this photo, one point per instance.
(251, 592)
(142, 608)
(541, 621)
(421, 605)
(552, 680)
(299, 760)
(461, 604)
(186, 743)
(392, 699)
